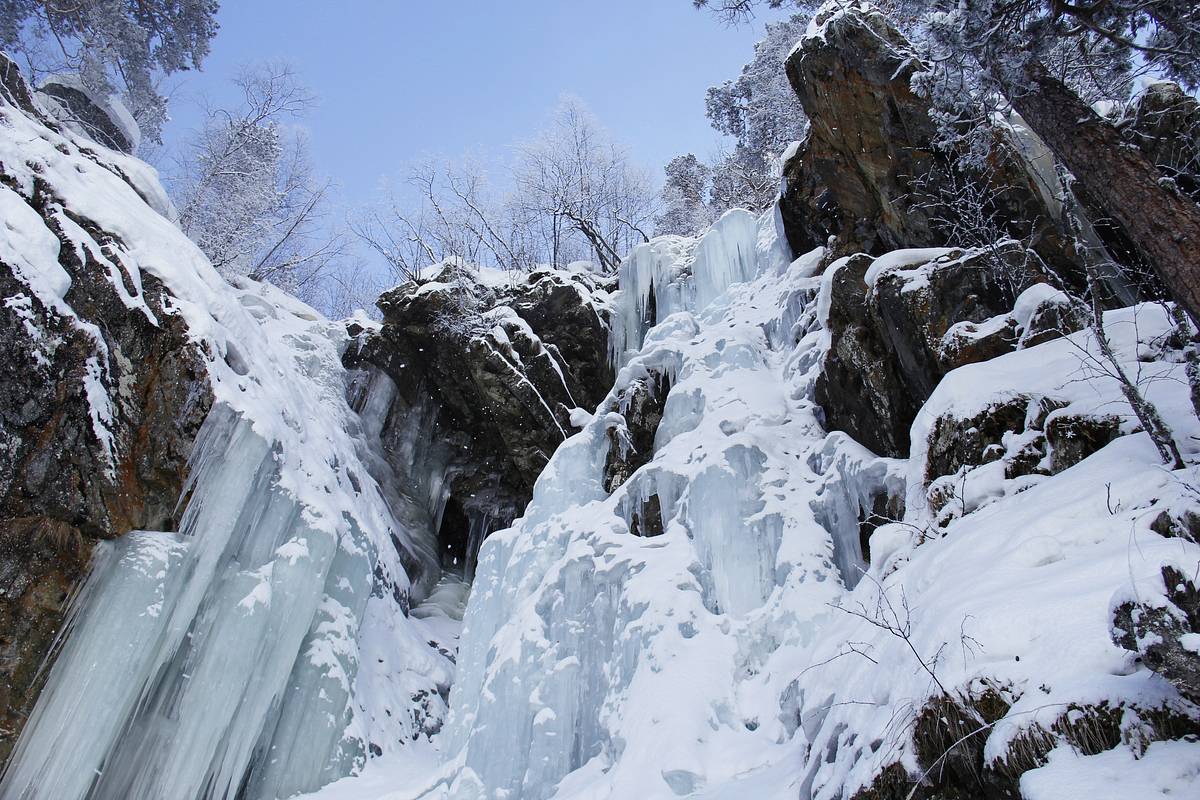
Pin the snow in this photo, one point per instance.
(1166, 769)
(749, 650)
(901, 259)
(741, 650)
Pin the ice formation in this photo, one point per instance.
(772, 641)
(263, 649)
(587, 651)
(751, 648)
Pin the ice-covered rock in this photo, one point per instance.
(102, 386)
(253, 640)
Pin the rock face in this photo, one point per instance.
(1162, 631)
(892, 341)
(1164, 123)
(102, 394)
(869, 172)
(504, 363)
(102, 121)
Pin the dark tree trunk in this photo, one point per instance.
(1117, 179)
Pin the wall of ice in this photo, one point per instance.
(594, 662)
(264, 648)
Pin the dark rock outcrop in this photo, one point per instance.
(631, 446)
(102, 396)
(1164, 633)
(950, 736)
(1027, 435)
(504, 365)
(892, 343)
(77, 108)
(870, 175)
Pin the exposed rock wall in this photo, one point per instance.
(870, 172)
(894, 338)
(504, 363)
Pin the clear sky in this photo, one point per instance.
(403, 79)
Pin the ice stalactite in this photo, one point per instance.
(263, 648)
(212, 664)
(674, 273)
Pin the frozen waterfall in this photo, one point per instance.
(263, 649)
(596, 662)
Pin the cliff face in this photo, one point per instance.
(248, 590)
(870, 172)
(499, 363)
(103, 392)
(872, 520)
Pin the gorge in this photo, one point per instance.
(821, 503)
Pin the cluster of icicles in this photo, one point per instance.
(220, 661)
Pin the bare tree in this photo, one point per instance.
(448, 215)
(114, 45)
(246, 191)
(577, 179)
(737, 12)
(1095, 262)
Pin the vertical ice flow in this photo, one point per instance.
(591, 657)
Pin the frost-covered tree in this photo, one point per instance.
(246, 192)
(685, 197)
(759, 109)
(121, 46)
(571, 194)
(574, 176)
(446, 212)
(759, 113)
(1014, 49)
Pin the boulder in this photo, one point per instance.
(503, 362)
(1163, 629)
(105, 121)
(892, 340)
(1164, 123)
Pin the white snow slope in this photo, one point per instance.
(748, 651)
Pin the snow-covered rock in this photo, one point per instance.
(493, 363)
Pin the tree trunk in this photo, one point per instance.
(1116, 178)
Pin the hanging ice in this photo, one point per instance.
(244, 655)
(237, 641)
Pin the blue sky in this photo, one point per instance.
(402, 79)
